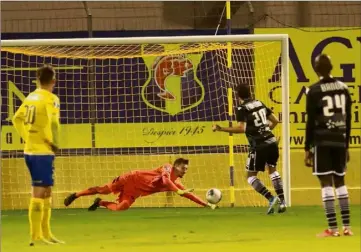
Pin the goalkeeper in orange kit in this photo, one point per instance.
(135, 184)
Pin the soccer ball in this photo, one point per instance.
(214, 195)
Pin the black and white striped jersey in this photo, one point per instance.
(328, 110)
(254, 113)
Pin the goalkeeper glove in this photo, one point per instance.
(182, 192)
(212, 206)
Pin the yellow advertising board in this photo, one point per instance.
(344, 48)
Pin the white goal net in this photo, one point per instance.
(137, 104)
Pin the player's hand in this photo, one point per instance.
(309, 159)
(212, 206)
(53, 147)
(185, 191)
(216, 127)
(278, 140)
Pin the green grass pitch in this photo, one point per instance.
(182, 229)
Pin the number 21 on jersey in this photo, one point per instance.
(260, 117)
(30, 114)
(332, 102)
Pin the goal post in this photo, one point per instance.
(144, 117)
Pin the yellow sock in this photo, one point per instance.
(36, 210)
(45, 224)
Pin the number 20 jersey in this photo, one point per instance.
(37, 111)
(254, 113)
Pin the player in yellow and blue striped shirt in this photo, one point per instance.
(37, 122)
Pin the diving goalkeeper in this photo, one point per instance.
(140, 183)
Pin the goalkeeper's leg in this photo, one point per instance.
(124, 202)
(90, 191)
(115, 186)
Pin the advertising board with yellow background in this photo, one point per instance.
(344, 48)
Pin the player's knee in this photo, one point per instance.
(251, 174)
(93, 189)
(328, 193)
(341, 192)
(124, 205)
(103, 190)
(274, 175)
(339, 181)
(325, 180)
(48, 192)
(272, 169)
(251, 179)
(40, 192)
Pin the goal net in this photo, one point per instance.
(137, 105)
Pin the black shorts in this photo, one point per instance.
(329, 160)
(259, 158)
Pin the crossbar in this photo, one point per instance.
(144, 40)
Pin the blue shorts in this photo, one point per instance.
(41, 169)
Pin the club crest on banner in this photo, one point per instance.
(172, 85)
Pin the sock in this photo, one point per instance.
(94, 190)
(45, 224)
(259, 187)
(342, 196)
(124, 205)
(277, 184)
(328, 198)
(36, 211)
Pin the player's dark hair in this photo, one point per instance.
(180, 161)
(243, 91)
(323, 65)
(45, 74)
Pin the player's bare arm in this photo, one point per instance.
(309, 130)
(241, 128)
(53, 113)
(348, 123)
(173, 187)
(273, 121)
(18, 121)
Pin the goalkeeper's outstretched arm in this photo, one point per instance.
(195, 198)
(173, 187)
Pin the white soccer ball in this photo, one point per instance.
(214, 195)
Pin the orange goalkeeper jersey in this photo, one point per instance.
(151, 181)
